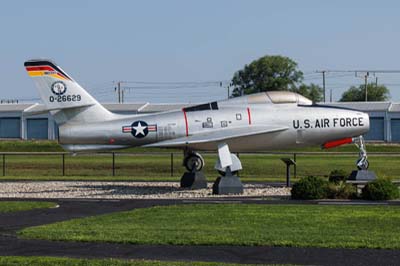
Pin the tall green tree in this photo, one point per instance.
(312, 92)
(268, 73)
(357, 94)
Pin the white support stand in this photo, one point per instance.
(227, 164)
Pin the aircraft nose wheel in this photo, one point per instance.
(362, 164)
(194, 162)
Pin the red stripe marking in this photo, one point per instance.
(38, 68)
(46, 68)
(249, 115)
(335, 143)
(186, 122)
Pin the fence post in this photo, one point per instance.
(295, 165)
(4, 165)
(172, 164)
(63, 164)
(113, 163)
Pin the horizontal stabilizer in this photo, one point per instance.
(92, 147)
(217, 136)
(42, 109)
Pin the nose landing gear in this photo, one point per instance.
(362, 162)
(363, 174)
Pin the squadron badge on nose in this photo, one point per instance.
(139, 129)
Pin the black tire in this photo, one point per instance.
(193, 162)
(366, 165)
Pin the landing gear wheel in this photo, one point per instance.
(362, 165)
(193, 162)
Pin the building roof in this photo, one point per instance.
(160, 107)
(20, 107)
(394, 107)
(363, 106)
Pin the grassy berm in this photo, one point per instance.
(16, 206)
(237, 224)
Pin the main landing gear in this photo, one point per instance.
(227, 165)
(193, 177)
(193, 161)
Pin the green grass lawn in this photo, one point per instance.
(15, 206)
(237, 224)
(157, 167)
(256, 167)
(53, 261)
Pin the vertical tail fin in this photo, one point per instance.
(64, 96)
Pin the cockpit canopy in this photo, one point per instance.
(272, 97)
(269, 97)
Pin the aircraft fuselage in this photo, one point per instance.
(306, 125)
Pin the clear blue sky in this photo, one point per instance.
(97, 42)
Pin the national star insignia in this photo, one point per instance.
(139, 129)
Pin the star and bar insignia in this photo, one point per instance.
(139, 129)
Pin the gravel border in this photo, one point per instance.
(125, 190)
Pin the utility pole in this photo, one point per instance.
(330, 94)
(366, 86)
(323, 82)
(376, 82)
(119, 91)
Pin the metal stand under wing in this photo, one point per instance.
(228, 165)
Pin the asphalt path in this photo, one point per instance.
(11, 245)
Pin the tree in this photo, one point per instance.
(357, 94)
(268, 73)
(312, 92)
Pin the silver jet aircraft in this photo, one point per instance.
(257, 122)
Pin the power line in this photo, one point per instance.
(365, 75)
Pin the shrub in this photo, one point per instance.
(341, 190)
(310, 187)
(337, 176)
(380, 189)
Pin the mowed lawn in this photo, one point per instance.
(53, 261)
(15, 206)
(157, 167)
(237, 224)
